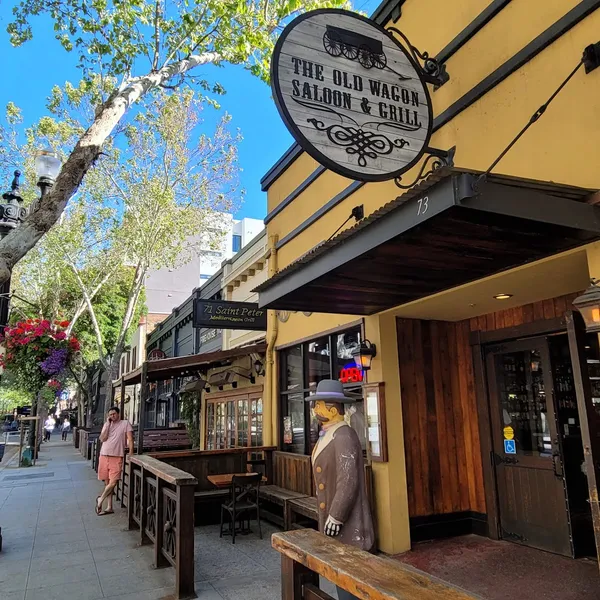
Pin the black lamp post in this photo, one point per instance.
(12, 212)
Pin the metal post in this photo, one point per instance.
(142, 407)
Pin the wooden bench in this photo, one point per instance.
(294, 490)
(292, 479)
(306, 507)
(307, 554)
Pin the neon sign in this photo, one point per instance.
(351, 374)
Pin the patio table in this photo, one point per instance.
(224, 480)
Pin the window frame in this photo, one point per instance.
(218, 403)
(306, 389)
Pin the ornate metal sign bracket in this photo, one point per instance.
(432, 71)
(435, 159)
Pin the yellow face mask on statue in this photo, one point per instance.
(327, 413)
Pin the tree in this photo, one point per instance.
(147, 45)
(169, 187)
(157, 196)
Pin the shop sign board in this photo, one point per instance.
(351, 95)
(229, 315)
(156, 354)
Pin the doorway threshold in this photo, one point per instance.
(497, 570)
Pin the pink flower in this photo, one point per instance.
(60, 335)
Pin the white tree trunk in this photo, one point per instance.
(81, 308)
(132, 302)
(17, 243)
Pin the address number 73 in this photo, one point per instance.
(422, 205)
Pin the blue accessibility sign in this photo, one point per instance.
(510, 447)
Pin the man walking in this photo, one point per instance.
(113, 436)
(66, 427)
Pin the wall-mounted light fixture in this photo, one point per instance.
(364, 354)
(259, 367)
(588, 304)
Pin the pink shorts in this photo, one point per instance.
(110, 468)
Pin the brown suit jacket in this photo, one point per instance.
(341, 492)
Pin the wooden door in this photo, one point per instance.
(532, 502)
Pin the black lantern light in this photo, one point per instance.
(588, 304)
(363, 355)
(259, 367)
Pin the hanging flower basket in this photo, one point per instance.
(38, 353)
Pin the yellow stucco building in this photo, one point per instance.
(463, 284)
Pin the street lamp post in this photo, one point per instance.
(12, 214)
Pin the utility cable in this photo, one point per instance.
(357, 213)
(535, 117)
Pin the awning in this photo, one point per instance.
(444, 232)
(180, 366)
(196, 385)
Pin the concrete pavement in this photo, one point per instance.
(57, 548)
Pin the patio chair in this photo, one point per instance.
(244, 500)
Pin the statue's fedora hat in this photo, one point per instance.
(330, 390)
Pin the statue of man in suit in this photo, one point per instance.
(339, 473)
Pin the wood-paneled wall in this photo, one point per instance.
(528, 313)
(439, 405)
(443, 457)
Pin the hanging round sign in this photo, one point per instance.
(351, 95)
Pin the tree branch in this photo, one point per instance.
(157, 17)
(83, 304)
(92, 313)
(21, 239)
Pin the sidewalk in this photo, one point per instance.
(57, 548)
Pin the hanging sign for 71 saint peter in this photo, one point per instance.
(351, 95)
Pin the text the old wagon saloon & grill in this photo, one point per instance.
(351, 95)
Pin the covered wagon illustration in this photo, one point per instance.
(354, 46)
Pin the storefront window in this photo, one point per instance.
(302, 367)
(234, 422)
(345, 366)
(293, 369)
(318, 361)
(294, 419)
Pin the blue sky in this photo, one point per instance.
(30, 72)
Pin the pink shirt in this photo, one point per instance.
(117, 437)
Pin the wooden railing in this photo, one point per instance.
(307, 554)
(162, 510)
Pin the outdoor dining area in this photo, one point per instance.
(170, 496)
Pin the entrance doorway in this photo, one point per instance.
(541, 486)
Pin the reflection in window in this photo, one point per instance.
(234, 423)
(294, 424)
(293, 366)
(319, 362)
